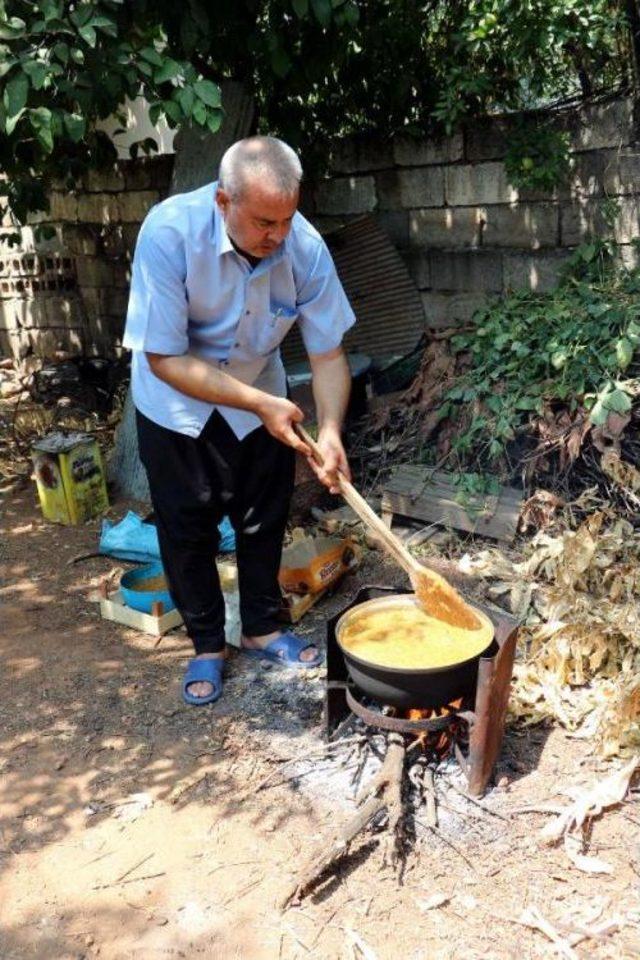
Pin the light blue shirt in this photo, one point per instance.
(192, 292)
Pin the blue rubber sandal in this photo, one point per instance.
(208, 670)
(285, 650)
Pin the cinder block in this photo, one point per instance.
(98, 208)
(486, 139)
(133, 207)
(419, 265)
(445, 227)
(346, 195)
(64, 206)
(539, 273)
(148, 173)
(587, 176)
(361, 154)
(64, 311)
(419, 152)
(422, 187)
(617, 219)
(80, 238)
(451, 309)
(629, 256)
(94, 272)
(408, 189)
(22, 314)
(467, 270)
(472, 184)
(395, 224)
(527, 225)
(621, 172)
(108, 180)
(599, 125)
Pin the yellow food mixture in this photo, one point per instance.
(406, 636)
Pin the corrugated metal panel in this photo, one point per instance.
(386, 302)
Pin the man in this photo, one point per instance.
(220, 275)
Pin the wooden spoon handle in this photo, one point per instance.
(360, 506)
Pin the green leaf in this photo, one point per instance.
(36, 71)
(12, 122)
(41, 123)
(208, 92)
(300, 7)
(89, 35)
(618, 401)
(172, 110)
(186, 99)
(77, 55)
(155, 112)
(75, 125)
(7, 64)
(214, 121)
(199, 113)
(61, 52)
(152, 56)
(169, 69)
(15, 94)
(322, 11)
(624, 352)
(12, 29)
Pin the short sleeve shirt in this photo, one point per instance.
(192, 292)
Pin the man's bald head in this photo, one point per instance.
(264, 161)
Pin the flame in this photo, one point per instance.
(430, 713)
(440, 741)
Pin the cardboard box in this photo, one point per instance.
(70, 478)
(312, 564)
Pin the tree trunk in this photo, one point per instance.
(196, 162)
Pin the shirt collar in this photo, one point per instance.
(221, 238)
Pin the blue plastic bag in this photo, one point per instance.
(132, 539)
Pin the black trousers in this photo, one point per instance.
(194, 483)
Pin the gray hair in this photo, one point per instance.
(260, 159)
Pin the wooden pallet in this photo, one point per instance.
(421, 493)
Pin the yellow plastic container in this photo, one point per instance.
(70, 477)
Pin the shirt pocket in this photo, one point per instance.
(273, 329)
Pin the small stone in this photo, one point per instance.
(89, 941)
(266, 664)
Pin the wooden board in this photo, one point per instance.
(420, 493)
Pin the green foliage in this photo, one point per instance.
(66, 66)
(537, 157)
(319, 69)
(572, 347)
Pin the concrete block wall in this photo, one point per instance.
(69, 293)
(463, 230)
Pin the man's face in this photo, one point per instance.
(258, 220)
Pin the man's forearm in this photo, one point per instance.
(331, 383)
(201, 380)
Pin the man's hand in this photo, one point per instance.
(335, 459)
(278, 416)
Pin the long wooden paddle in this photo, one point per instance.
(436, 595)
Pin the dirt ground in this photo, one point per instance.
(130, 824)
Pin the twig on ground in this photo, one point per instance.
(134, 867)
(475, 802)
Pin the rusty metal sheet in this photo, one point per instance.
(387, 303)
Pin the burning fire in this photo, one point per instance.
(430, 713)
(439, 742)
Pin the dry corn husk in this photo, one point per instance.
(579, 660)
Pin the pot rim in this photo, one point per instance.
(406, 598)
